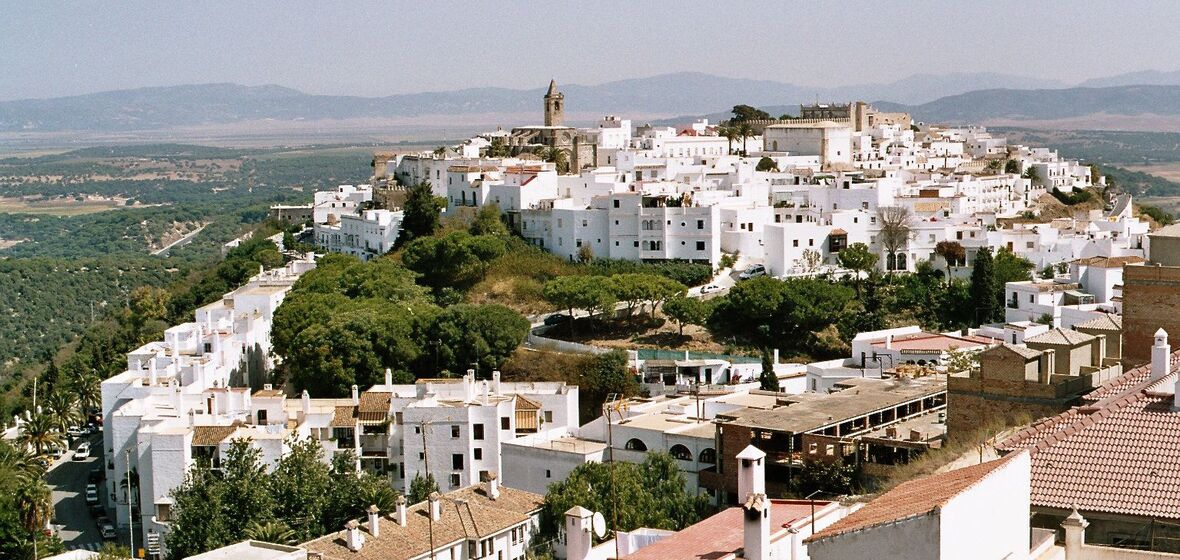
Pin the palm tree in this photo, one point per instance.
(557, 157)
(745, 130)
(34, 503)
(19, 462)
(275, 532)
(88, 389)
(62, 408)
(730, 133)
(38, 432)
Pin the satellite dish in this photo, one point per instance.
(599, 523)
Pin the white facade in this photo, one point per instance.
(366, 235)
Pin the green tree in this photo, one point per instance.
(748, 113)
(421, 217)
(421, 487)
(577, 292)
(300, 483)
(983, 288)
(198, 519)
(831, 479)
(276, 532)
(601, 376)
(488, 221)
(895, 234)
(638, 289)
(765, 312)
(1012, 166)
(654, 492)
(62, 409)
(858, 258)
(557, 156)
(455, 260)
(746, 131)
(483, 334)
(767, 380)
(1033, 175)
(766, 164)
(687, 310)
(38, 432)
(248, 492)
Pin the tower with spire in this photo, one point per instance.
(554, 105)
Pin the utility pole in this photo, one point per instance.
(612, 404)
(423, 426)
(130, 509)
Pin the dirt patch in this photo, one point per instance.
(639, 332)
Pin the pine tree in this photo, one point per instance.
(767, 380)
(983, 288)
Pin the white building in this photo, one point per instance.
(365, 235)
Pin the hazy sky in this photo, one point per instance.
(50, 48)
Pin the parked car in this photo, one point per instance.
(82, 452)
(42, 461)
(108, 532)
(92, 494)
(77, 431)
(710, 288)
(55, 451)
(556, 319)
(753, 272)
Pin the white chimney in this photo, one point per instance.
(388, 376)
(356, 399)
(468, 388)
(401, 511)
(755, 505)
(435, 506)
(889, 342)
(775, 356)
(1160, 355)
(496, 382)
(578, 538)
(151, 370)
(353, 536)
(306, 398)
(483, 391)
(374, 521)
(493, 486)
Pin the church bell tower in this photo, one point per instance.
(554, 105)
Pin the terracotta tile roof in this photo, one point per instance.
(344, 417)
(1107, 322)
(1109, 262)
(1116, 455)
(721, 536)
(1020, 350)
(932, 342)
(523, 403)
(479, 517)
(912, 498)
(264, 393)
(1060, 337)
(211, 435)
(374, 406)
(1125, 382)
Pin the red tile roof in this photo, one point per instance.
(721, 535)
(1117, 454)
(912, 499)
(933, 342)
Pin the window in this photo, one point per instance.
(478, 455)
(635, 444)
(548, 473)
(680, 452)
(708, 456)
(421, 456)
(477, 432)
(811, 243)
(794, 242)
(1030, 298)
(548, 416)
(455, 432)
(636, 243)
(505, 423)
(454, 480)
(456, 461)
(700, 245)
(700, 224)
(616, 206)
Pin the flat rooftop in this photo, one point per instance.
(859, 397)
(251, 550)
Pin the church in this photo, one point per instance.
(579, 148)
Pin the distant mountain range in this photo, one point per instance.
(963, 97)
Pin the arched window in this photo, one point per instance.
(708, 456)
(635, 444)
(681, 452)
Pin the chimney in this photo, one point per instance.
(401, 511)
(751, 472)
(435, 506)
(306, 398)
(1098, 351)
(388, 376)
(356, 399)
(1160, 355)
(151, 370)
(496, 382)
(577, 533)
(468, 388)
(374, 520)
(493, 486)
(775, 356)
(353, 536)
(483, 391)
(1047, 366)
(1075, 534)
(889, 342)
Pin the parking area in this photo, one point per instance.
(76, 521)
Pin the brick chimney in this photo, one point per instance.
(1160, 355)
(435, 506)
(353, 536)
(374, 520)
(401, 511)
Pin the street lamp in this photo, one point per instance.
(811, 497)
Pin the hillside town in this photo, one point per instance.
(1045, 429)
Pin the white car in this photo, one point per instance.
(76, 431)
(710, 289)
(91, 495)
(753, 272)
(82, 452)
